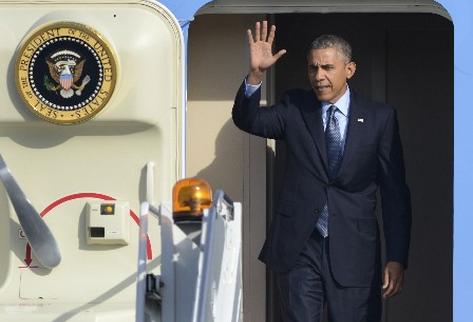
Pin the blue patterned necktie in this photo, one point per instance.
(333, 141)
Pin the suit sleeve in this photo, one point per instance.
(395, 195)
(267, 122)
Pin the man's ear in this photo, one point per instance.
(350, 69)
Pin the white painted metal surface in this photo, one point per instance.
(61, 168)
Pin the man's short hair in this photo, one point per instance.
(332, 41)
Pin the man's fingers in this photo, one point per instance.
(393, 279)
(272, 33)
(279, 54)
(398, 286)
(261, 32)
(257, 31)
(388, 284)
(264, 31)
(250, 37)
(389, 291)
(386, 279)
(395, 286)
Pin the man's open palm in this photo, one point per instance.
(261, 55)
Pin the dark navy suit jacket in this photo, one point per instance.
(372, 159)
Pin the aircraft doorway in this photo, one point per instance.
(405, 60)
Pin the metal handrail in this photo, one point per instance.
(145, 209)
(39, 235)
(221, 200)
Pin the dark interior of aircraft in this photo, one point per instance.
(405, 60)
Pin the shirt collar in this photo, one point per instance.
(343, 103)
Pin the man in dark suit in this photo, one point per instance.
(323, 242)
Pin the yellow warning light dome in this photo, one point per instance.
(190, 197)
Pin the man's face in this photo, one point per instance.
(328, 73)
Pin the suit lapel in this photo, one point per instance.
(356, 122)
(312, 112)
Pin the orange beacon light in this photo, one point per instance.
(190, 197)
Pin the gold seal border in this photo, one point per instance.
(88, 111)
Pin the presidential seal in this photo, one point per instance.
(65, 72)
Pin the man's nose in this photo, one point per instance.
(319, 74)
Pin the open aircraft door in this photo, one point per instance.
(92, 104)
(395, 43)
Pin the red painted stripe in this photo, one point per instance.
(67, 198)
(62, 200)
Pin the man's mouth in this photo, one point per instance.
(322, 87)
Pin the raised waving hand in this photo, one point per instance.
(261, 53)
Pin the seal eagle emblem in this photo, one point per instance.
(66, 72)
(65, 68)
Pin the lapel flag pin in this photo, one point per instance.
(361, 120)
